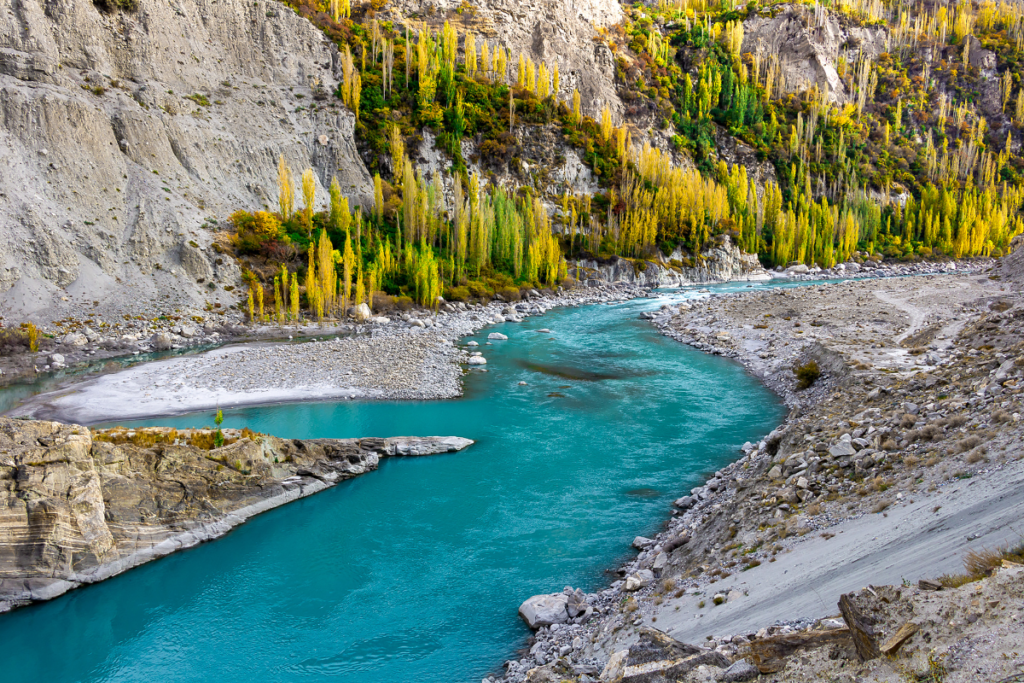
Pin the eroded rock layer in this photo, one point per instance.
(78, 506)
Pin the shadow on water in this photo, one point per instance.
(569, 372)
(644, 493)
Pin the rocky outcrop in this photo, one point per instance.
(78, 506)
(808, 45)
(545, 30)
(122, 132)
(722, 262)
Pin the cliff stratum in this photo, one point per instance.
(78, 506)
(122, 132)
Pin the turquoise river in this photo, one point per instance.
(414, 573)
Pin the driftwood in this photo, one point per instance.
(769, 654)
(897, 639)
(861, 628)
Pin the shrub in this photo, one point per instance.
(13, 341)
(382, 302)
(807, 374)
(510, 293)
(403, 303)
(457, 293)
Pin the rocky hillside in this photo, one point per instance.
(78, 506)
(122, 132)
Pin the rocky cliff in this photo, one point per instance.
(121, 132)
(78, 506)
(720, 262)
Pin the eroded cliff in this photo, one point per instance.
(78, 506)
(122, 132)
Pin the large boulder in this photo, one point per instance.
(545, 610)
(362, 313)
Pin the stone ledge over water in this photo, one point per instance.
(79, 506)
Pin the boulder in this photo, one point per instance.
(497, 335)
(362, 313)
(187, 331)
(545, 610)
(477, 360)
(161, 341)
(576, 603)
(685, 503)
(56, 359)
(641, 543)
(641, 579)
(843, 448)
(740, 671)
(75, 339)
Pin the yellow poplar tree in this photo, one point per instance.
(285, 189)
(308, 193)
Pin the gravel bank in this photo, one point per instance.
(904, 454)
(412, 357)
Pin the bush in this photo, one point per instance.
(457, 293)
(807, 374)
(382, 302)
(403, 303)
(13, 341)
(510, 293)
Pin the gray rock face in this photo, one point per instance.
(545, 610)
(808, 53)
(723, 261)
(546, 30)
(111, 169)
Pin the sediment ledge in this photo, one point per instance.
(78, 506)
(902, 456)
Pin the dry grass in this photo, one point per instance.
(967, 444)
(976, 456)
(908, 421)
(668, 585)
(889, 445)
(881, 506)
(1001, 416)
(956, 421)
(980, 563)
(930, 432)
(814, 509)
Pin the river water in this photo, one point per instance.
(415, 572)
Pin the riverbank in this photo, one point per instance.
(413, 357)
(82, 506)
(903, 455)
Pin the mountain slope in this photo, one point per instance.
(110, 169)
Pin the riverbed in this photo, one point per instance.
(415, 572)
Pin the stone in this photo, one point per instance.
(362, 313)
(75, 339)
(497, 335)
(685, 503)
(775, 472)
(739, 671)
(612, 671)
(659, 564)
(545, 610)
(576, 603)
(56, 359)
(187, 331)
(477, 360)
(641, 579)
(641, 543)
(843, 448)
(161, 341)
